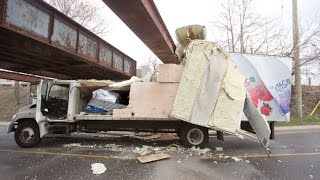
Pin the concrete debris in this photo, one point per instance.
(219, 149)
(240, 136)
(112, 146)
(98, 168)
(88, 146)
(247, 161)
(144, 150)
(311, 176)
(72, 145)
(215, 162)
(199, 151)
(279, 161)
(153, 157)
(236, 159)
(78, 145)
(226, 157)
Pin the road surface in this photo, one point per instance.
(295, 155)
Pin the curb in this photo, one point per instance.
(4, 123)
(297, 127)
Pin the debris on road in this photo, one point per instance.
(279, 161)
(199, 151)
(72, 145)
(153, 157)
(236, 159)
(78, 145)
(112, 146)
(144, 150)
(98, 168)
(219, 149)
(311, 176)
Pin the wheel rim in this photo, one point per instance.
(26, 135)
(195, 136)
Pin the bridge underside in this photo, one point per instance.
(37, 39)
(23, 54)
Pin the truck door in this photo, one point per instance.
(258, 123)
(41, 97)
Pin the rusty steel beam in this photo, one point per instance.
(143, 18)
(20, 76)
(55, 39)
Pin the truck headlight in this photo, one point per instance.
(14, 116)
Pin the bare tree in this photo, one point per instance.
(153, 64)
(244, 30)
(84, 12)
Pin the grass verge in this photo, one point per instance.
(306, 120)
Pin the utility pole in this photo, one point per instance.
(296, 54)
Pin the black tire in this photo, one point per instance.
(194, 136)
(27, 134)
(178, 131)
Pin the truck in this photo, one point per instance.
(208, 90)
(59, 110)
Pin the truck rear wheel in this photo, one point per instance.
(194, 136)
(27, 134)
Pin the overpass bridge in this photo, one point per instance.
(35, 38)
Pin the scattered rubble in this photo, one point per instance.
(151, 153)
(199, 151)
(78, 145)
(236, 159)
(72, 145)
(112, 146)
(144, 150)
(98, 168)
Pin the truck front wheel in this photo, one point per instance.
(27, 134)
(194, 136)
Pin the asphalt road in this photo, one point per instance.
(295, 155)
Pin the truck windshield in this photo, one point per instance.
(59, 91)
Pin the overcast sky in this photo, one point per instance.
(177, 13)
